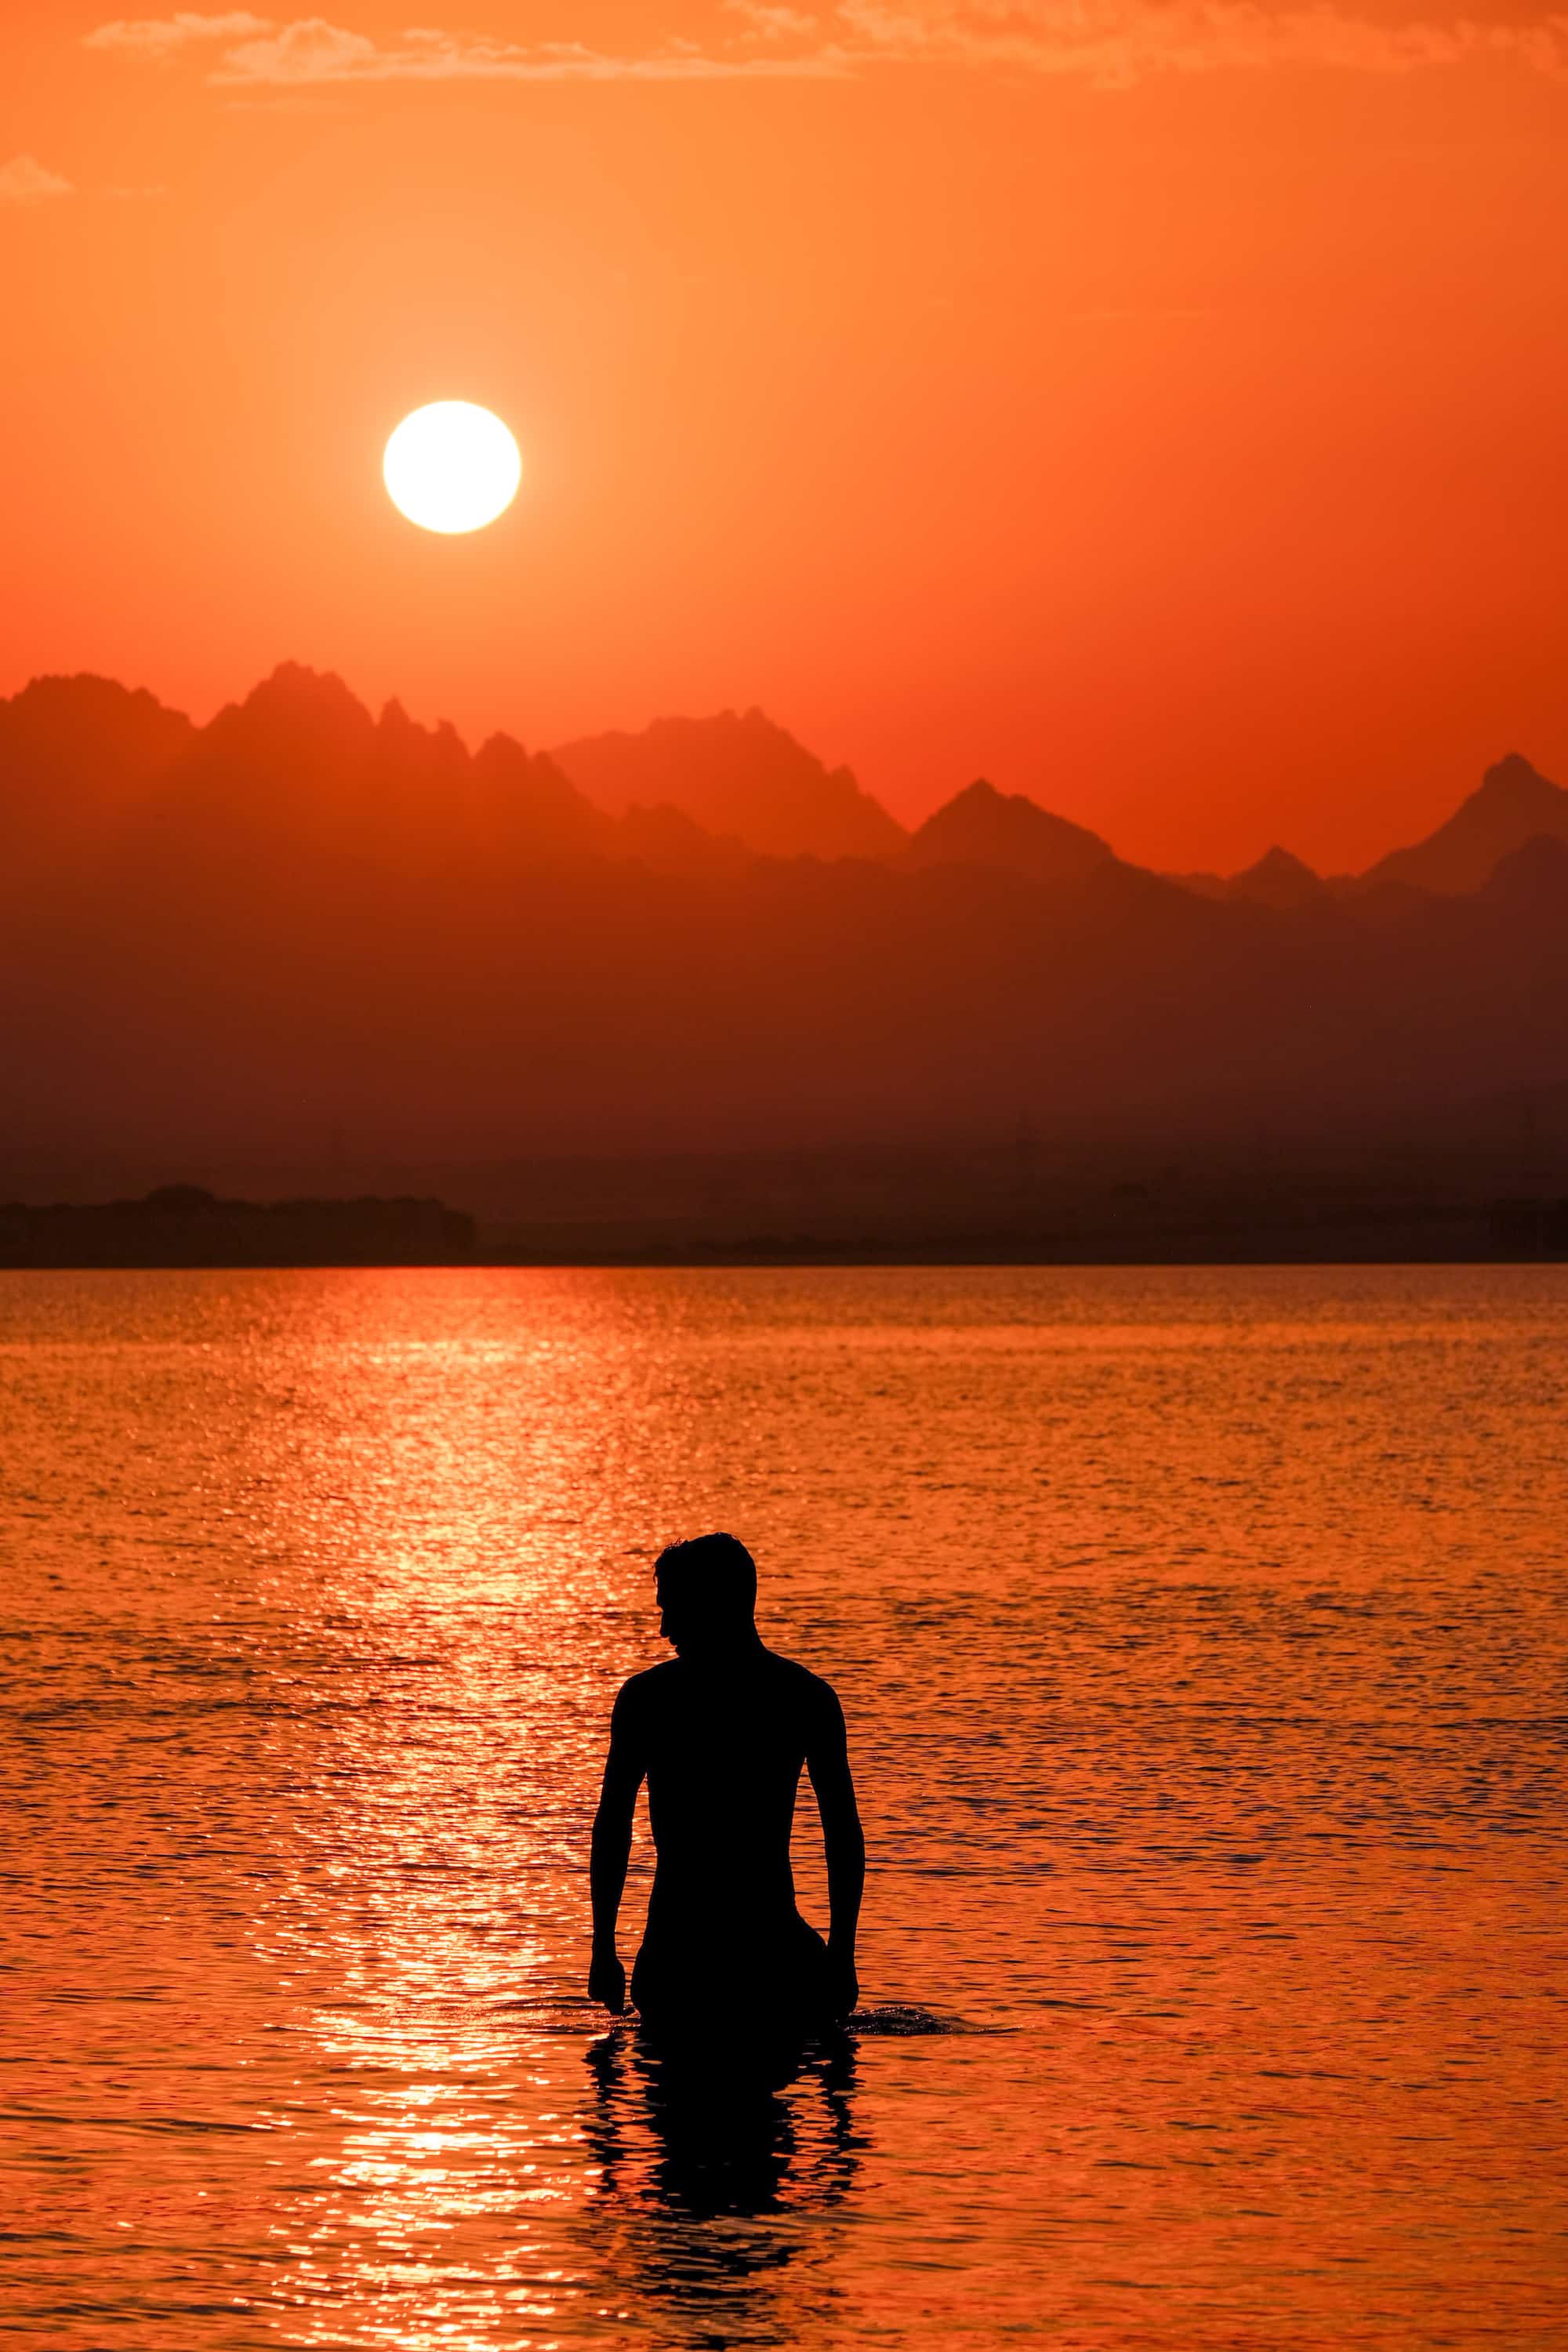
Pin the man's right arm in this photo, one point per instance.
(610, 1850)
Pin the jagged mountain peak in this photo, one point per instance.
(1511, 804)
(59, 716)
(83, 690)
(1513, 777)
(292, 685)
(983, 826)
(1278, 860)
(1278, 878)
(982, 794)
(738, 774)
(307, 717)
(77, 755)
(402, 744)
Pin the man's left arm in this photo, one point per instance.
(844, 1843)
(612, 1845)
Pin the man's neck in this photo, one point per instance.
(728, 1649)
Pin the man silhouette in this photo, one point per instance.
(720, 1732)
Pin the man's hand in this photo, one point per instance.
(607, 1982)
(842, 1984)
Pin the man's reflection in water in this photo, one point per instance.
(702, 2142)
(679, 2146)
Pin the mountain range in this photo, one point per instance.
(305, 918)
(301, 757)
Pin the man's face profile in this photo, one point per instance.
(692, 1620)
(683, 1620)
(674, 1619)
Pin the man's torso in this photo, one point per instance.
(722, 1747)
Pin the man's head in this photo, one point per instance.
(706, 1592)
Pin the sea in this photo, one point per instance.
(1201, 1636)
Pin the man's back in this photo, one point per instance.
(723, 1748)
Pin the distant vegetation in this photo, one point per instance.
(182, 1224)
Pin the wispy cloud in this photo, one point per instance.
(23, 181)
(164, 36)
(1107, 42)
(774, 23)
(1123, 40)
(312, 51)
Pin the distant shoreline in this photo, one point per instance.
(979, 1261)
(183, 1226)
(803, 1261)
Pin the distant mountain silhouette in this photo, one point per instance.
(980, 827)
(739, 775)
(1277, 879)
(1512, 804)
(299, 770)
(1530, 881)
(1204, 884)
(302, 923)
(76, 752)
(672, 843)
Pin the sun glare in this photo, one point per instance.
(451, 466)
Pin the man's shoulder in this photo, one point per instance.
(807, 1689)
(640, 1691)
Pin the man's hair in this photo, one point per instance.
(716, 1572)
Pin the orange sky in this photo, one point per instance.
(1155, 404)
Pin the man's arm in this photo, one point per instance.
(844, 1843)
(611, 1851)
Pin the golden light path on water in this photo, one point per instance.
(1202, 1637)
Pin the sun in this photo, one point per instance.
(451, 466)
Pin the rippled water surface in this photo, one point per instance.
(1203, 1639)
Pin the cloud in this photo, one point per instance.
(23, 181)
(1123, 40)
(774, 22)
(311, 51)
(1105, 42)
(163, 37)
